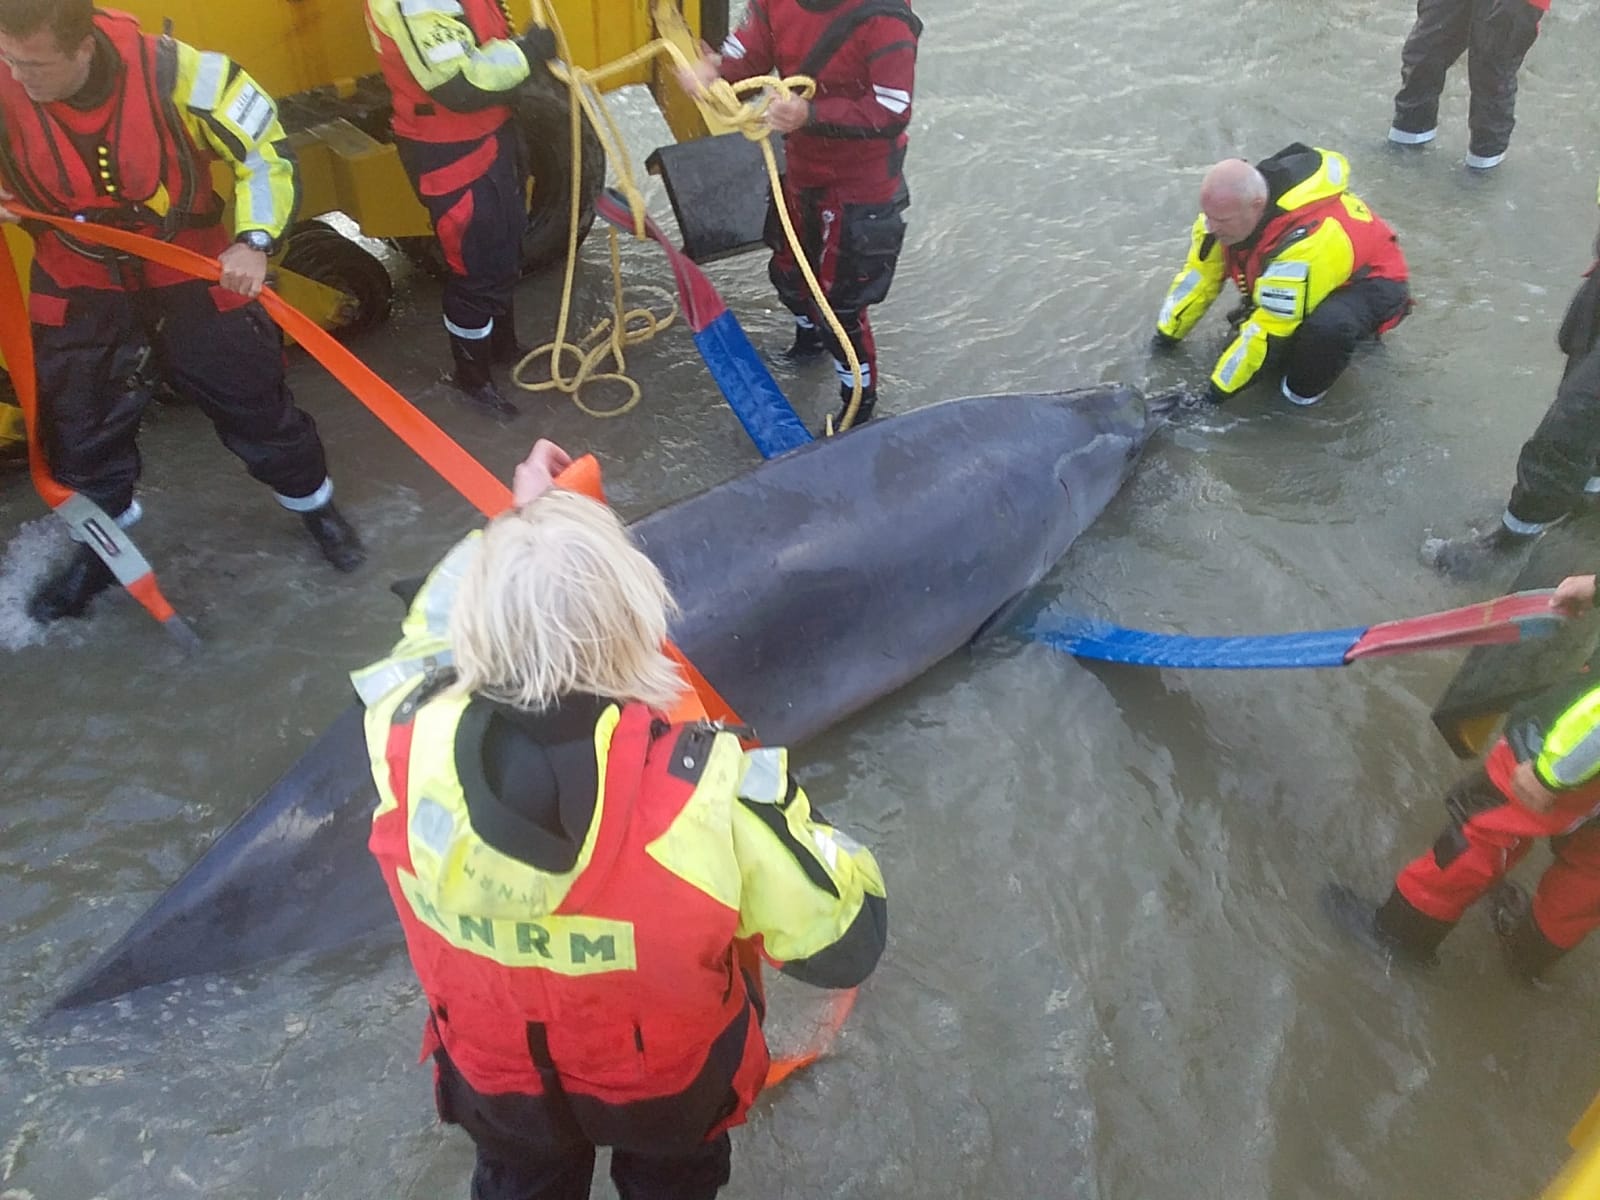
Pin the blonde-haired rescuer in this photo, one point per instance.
(1318, 270)
(573, 869)
(104, 123)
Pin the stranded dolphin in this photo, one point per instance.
(809, 587)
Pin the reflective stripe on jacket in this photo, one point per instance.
(142, 159)
(450, 64)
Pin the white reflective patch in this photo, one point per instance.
(500, 54)
(1335, 171)
(445, 52)
(417, 8)
(432, 825)
(311, 503)
(894, 99)
(842, 370)
(732, 47)
(1180, 292)
(208, 81)
(823, 839)
(251, 110)
(765, 777)
(1283, 301)
(471, 335)
(1229, 369)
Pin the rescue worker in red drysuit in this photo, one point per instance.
(574, 871)
(102, 122)
(1318, 270)
(454, 69)
(844, 187)
(1540, 780)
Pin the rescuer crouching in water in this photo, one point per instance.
(1318, 270)
(575, 872)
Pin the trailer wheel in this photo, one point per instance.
(323, 254)
(544, 117)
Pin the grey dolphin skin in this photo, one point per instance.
(810, 586)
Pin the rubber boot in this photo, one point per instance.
(472, 357)
(1475, 554)
(1528, 952)
(807, 346)
(869, 401)
(335, 537)
(67, 593)
(504, 348)
(1408, 932)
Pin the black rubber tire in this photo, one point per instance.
(544, 117)
(323, 254)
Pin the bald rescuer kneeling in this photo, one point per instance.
(1319, 272)
(573, 870)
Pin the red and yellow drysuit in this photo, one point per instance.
(1491, 831)
(572, 885)
(1317, 242)
(454, 67)
(134, 148)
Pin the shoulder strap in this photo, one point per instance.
(837, 34)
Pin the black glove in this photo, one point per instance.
(1214, 394)
(538, 44)
(1162, 341)
(1239, 314)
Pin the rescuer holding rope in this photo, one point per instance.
(846, 148)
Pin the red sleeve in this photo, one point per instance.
(749, 50)
(884, 110)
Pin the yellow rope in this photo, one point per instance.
(633, 326)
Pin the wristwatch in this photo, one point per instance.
(257, 239)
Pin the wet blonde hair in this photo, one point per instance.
(558, 600)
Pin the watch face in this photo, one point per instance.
(257, 240)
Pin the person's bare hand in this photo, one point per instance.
(7, 217)
(536, 474)
(1574, 595)
(243, 270)
(785, 116)
(1530, 790)
(706, 70)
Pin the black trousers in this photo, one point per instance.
(477, 194)
(565, 1174)
(1564, 450)
(88, 342)
(852, 249)
(1496, 35)
(1322, 347)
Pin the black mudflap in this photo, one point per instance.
(718, 188)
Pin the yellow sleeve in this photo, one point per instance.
(1195, 287)
(814, 894)
(1292, 283)
(444, 55)
(223, 108)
